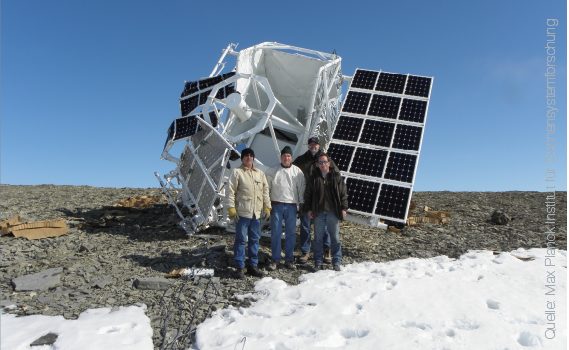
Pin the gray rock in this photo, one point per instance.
(58, 293)
(219, 247)
(47, 339)
(38, 281)
(46, 300)
(156, 283)
(501, 217)
(101, 283)
(50, 312)
(7, 263)
(7, 303)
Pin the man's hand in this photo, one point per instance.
(232, 214)
(266, 213)
(310, 214)
(343, 214)
(300, 210)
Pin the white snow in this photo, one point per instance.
(480, 301)
(126, 328)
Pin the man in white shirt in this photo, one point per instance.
(286, 190)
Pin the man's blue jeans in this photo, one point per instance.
(278, 213)
(244, 227)
(323, 221)
(305, 235)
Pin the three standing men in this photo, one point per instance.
(286, 186)
(247, 199)
(312, 179)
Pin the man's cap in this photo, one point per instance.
(287, 149)
(313, 139)
(247, 151)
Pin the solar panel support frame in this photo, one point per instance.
(322, 107)
(216, 70)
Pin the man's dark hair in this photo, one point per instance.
(324, 155)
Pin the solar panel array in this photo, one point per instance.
(377, 141)
(182, 128)
(202, 167)
(196, 92)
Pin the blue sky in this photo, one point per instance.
(89, 88)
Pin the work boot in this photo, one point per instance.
(272, 266)
(254, 271)
(303, 259)
(317, 268)
(290, 265)
(337, 268)
(327, 256)
(240, 274)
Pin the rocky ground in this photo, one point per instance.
(108, 257)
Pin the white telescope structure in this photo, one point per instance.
(279, 95)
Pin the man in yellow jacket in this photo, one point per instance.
(247, 201)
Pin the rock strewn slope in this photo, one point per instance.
(103, 258)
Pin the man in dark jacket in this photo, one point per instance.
(326, 201)
(308, 163)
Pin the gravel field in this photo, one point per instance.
(107, 252)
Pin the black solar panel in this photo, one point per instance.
(170, 132)
(384, 106)
(413, 110)
(361, 194)
(229, 89)
(189, 88)
(369, 162)
(185, 127)
(203, 96)
(189, 104)
(400, 167)
(370, 145)
(220, 94)
(209, 82)
(348, 128)
(364, 79)
(356, 102)
(227, 75)
(341, 155)
(377, 133)
(392, 201)
(407, 137)
(418, 86)
(212, 117)
(389, 82)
